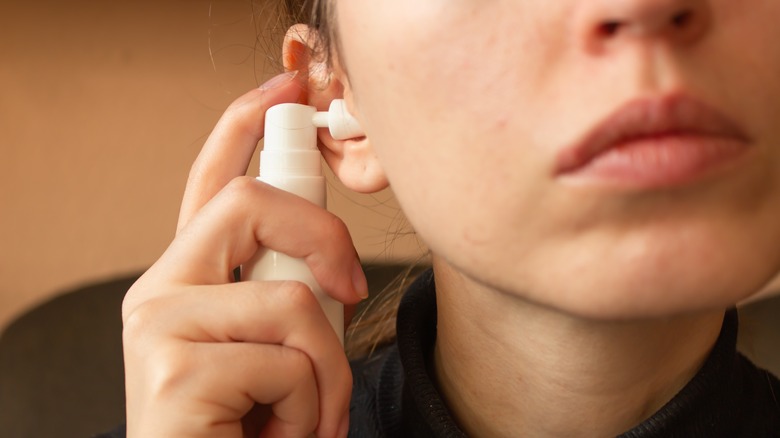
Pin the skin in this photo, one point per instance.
(607, 285)
(585, 302)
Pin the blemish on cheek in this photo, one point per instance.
(476, 235)
(501, 124)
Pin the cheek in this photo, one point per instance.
(447, 116)
(448, 81)
(463, 62)
(754, 64)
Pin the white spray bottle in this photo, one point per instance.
(291, 161)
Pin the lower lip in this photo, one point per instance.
(660, 162)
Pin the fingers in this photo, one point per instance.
(248, 214)
(280, 314)
(215, 385)
(272, 375)
(228, 150)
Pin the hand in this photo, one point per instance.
(208, 357)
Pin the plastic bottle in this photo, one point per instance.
(291, 161)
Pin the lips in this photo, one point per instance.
(649, 143)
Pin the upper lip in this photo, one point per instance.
(677, 115)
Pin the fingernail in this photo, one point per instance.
(279, 80)
(344, 428)
(359, 280)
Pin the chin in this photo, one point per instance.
(649, 274)
(659, 294)
(662, 284)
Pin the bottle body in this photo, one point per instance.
(273, 265)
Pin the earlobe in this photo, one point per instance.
(353, 161)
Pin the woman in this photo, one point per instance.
(597, 182)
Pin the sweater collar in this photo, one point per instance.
(706, 406)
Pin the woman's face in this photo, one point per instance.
(473, 106)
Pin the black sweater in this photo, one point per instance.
(394, 396)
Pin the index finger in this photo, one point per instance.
(228, 150)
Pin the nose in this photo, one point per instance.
(605, 23)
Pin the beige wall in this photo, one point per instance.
(103, 106)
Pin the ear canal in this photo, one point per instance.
(344, 125)
(341, 124)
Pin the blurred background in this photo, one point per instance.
(103, 107)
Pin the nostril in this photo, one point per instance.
(682, 19)
(609, 28)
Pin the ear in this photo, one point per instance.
(353, 161)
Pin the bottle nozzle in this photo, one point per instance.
(341, 124)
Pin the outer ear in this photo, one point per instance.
(353, 161)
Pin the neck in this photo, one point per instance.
(553, 374)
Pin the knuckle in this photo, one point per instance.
(297, 295)
(142, 320)
(165, 362)
(238, 191)
(173, 369)
(299, 363)
(306, 383)
(129, 303)
(345, 377)
(241, 186)
(134, 296)
(170, 374)
(343, 380)
(335, 228)
(243, 112)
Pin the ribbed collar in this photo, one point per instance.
(710, 405)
